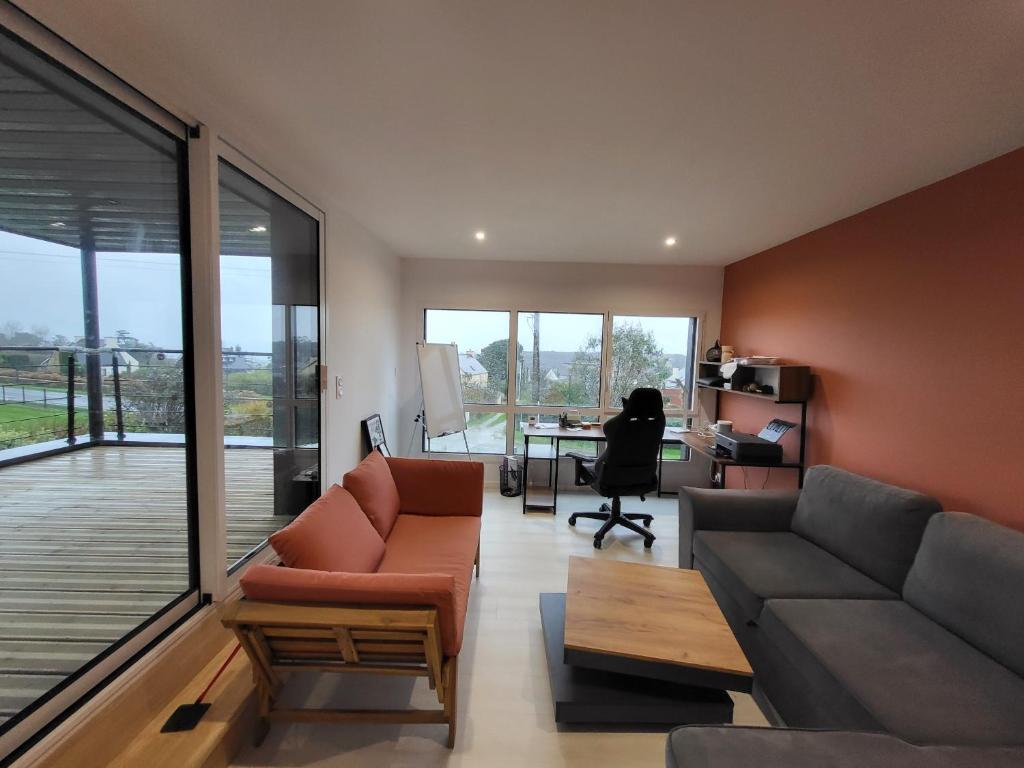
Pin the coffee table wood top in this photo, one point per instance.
(648, 612)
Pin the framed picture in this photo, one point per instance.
(373, 435)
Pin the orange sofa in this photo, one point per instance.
(376, 579)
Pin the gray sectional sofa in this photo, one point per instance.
(864, 608)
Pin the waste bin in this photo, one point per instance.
(510, 477)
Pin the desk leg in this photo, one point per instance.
(526, 468)
(554, 491)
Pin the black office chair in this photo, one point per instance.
(629, 464)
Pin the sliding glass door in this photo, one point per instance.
(97, 513)
(270, 321)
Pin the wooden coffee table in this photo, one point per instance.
(631, 643)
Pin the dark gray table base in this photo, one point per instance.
(599, 697)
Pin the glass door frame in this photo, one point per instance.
(230, 154)
(61, 703)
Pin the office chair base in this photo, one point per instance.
(612, 516)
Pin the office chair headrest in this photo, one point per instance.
(644, 401)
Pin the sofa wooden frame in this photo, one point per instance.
(386, 640)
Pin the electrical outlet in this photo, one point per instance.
(339, 387)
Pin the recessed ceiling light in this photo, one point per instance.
(57, 224)
(670, 241)
(258, 228)
(480, 235)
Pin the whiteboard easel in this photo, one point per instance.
(443, 411)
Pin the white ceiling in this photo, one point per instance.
(586, 130)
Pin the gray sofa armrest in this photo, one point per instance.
(703, 509)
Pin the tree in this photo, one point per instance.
(637, 361)
(158, 400)
(494, 357)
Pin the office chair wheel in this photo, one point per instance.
(572, 519)
(597, 543)
(648, 543)
(647, 523)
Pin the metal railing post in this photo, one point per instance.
(119, 414)
(71, 400)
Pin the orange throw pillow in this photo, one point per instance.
(374, 488)
(332, 534)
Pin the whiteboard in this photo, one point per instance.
(441, 380)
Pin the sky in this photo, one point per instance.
(41, 287)
(558, 332)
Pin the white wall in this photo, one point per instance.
(529, 286)
(363, 308)
(362, 275)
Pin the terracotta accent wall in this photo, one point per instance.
(911, 316)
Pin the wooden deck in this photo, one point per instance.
(93, 543)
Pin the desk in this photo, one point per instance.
(556, 435)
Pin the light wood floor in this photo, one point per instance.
(505, 711)
(93, 542)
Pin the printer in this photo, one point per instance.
(745, 448)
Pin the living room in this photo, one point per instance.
(643, 235)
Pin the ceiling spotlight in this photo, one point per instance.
(58, 224)
(258, 228)
(670, 241)
(480, 235)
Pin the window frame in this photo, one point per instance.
(604, 409)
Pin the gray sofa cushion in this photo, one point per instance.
(904, 671)
(968, 576)
(741, 747)
(756, 566)
(874, 527)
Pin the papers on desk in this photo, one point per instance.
(545, 425)
(679, 430)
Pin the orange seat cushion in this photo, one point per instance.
(430, 544)
(295, 585)
(332, 534)
(374, 488)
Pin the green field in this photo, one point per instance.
(27, 423)
(22, 411)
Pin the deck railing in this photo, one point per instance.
(45, 395)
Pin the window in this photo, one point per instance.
(653, 352)
(485, 433)
(482, 339)
(270, 336)
(584, 361)
(96, 446)
(558, 362)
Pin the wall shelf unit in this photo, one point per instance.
(791, 385)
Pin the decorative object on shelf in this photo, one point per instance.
(727, 370)
(728, 353)
(758, 360)
(759, 389)
(714, 355)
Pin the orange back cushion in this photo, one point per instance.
(374, 488)
(332, 534)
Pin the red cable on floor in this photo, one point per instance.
(206, 690)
